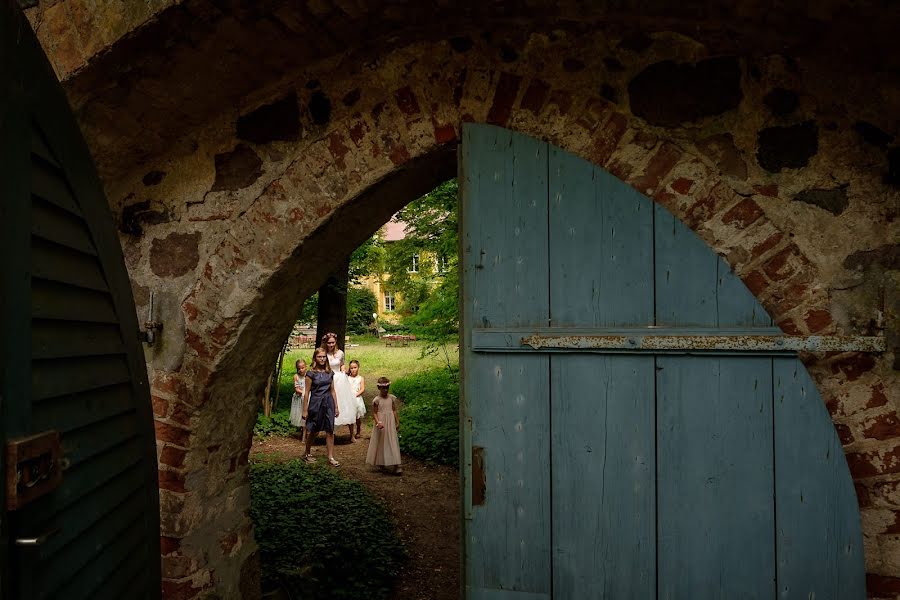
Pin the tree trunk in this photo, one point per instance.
(332, 316)
(267, 406)
(278, 366)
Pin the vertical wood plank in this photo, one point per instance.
(604, 496)
(507, 539)
(509, 534)
(819, 537)
(735, 305)
(601, 247)
(15, 241)
(686, 275)
(715, 478)
(506, 228)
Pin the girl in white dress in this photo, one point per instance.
(345, 398)
(357, 386)
(297, 399)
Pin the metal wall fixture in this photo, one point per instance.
(152, 328)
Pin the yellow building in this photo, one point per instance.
(389, 301)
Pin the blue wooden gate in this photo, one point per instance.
(631, 427)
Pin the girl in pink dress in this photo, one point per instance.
(384, 447)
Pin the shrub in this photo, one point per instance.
(429, 416)
(278, 424)
(321, 536)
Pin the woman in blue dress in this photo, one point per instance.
(320, 405)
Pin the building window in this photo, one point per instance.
(388, 302)
(440, 264)
(415, 264)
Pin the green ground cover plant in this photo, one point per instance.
(320, 535)
(279, 424)
(429, 415)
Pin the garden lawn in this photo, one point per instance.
(376, 360)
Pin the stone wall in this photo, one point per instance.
(73, 32)
(787, 167)
(784, 173)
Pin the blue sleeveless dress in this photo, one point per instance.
(320, 412)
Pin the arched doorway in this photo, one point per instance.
(627, 432)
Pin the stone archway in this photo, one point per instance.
(759, 154)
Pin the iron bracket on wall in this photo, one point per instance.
(659, 340)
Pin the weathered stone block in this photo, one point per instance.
(670, 93)
(781, 102)
(279, 120)
(136, 216)
(320, 108)
(175, 255)
(406, 101)
(834, 201)
(788, 147)
(236, 169)
(721, 150)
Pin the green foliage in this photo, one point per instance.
(429, 307)
(367, 259)
(310, 311)
(432, 220)
(321, 536)
(361, 303)
(429, 416)
(279, 424)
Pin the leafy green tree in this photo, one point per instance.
(367, 259)
(361, 303)
(429, 307)
(310, 309)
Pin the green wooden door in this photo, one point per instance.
(601, 459)
(72, 362)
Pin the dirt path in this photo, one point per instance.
(424, 501)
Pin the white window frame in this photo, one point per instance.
(415, 263)
(388, 302)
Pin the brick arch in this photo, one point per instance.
(391, 135)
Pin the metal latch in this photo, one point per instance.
(34, 467)
(152, 328)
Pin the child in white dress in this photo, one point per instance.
(297, 398)
(357, 386)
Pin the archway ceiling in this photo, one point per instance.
(201, 59)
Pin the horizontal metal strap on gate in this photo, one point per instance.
(671, 340)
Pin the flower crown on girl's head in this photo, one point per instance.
(383, 382)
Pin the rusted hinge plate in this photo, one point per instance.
(668, 340)
(33, 467)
